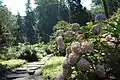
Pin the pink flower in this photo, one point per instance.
(75, 47)
(100, 71)
(87, 46)
(80, 37)
(110, 38)
(82, 64)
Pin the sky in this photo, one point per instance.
(16, 6)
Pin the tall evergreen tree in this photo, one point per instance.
(48, 15)
(30, 24)
(105, 7)
(78, 13)
(20, 32)
(46, 2)
(110, 6)
(7, 25)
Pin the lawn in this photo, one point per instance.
(13, 63)
(52, 67)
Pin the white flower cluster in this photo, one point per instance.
(87, 46)
(59, 32)
(75, 60)
(96, 28)
(82, 64)
(75, 26)
(60, 43)
(108, 40)
(75, 47)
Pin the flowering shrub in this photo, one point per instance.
(75, 47)
(92, 56)
(79, 61)
(75, 27)
(96, 28)
(100, 17)
(82, 65)
(61, 45)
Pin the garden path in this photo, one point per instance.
(21, 73)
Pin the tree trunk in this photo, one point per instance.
(105, 8)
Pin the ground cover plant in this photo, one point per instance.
(52, 67)
(13, 63)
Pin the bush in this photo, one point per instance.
(61, 25)
(29, 54)
(98, 58)
(39, 56)
(13, 63)
(3, 50)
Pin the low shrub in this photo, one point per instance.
(13, 63)
(29, 54)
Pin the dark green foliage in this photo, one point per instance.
(46, 2)
(29, 28)
(38, 23)
(20, 29)
(3, 37)
(113, 5)
(29, 55)
(7, 26)
(61, 25)
(27, 51)
(105, 7)
(78, 13)
(96, 2)
(2, 71)
(47, 17)
(110, 6)
(30, 24)
(113, 24)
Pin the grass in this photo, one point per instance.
(13, 63)
(52, 67)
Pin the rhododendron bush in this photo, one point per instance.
(91, 54)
